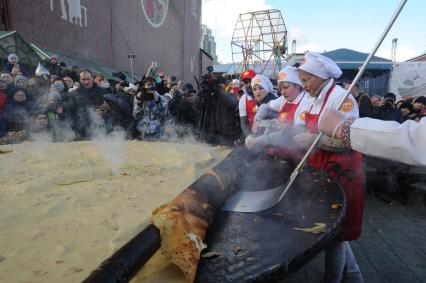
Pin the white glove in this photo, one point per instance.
(250, 141)
(271, 125)
(304, 140)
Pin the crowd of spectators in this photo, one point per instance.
(67, 104)
(72, 104)
(388, 108)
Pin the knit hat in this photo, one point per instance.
(320, 66)
(11, 56)
(20, 78)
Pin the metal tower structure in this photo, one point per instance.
(259, 42)
(293, 47)
(394, 45)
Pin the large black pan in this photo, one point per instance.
(265, 247)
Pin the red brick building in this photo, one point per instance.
(420, 58)
(106, 31)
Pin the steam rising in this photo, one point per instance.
(112, 148)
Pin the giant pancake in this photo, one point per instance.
(241, 247)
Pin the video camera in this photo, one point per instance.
(390, 99)
(208, 85)
(389, 102)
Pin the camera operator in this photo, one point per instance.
(218, 123)
(227, 103)
(149, 110)
(387, 111)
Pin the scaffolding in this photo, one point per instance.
(259, 42)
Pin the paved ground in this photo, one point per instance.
(392, 247)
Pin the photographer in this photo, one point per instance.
(149, 111)
(154, 72)
(218, 123)
(53, 66)
(387, 111)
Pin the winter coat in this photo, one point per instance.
(18, 115)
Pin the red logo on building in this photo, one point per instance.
(155, 11)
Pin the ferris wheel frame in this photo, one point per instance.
(259, 39)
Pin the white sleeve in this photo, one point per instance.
(276, 103)
(388, 139)
(262, 112)
(242, 106)
(349, 108)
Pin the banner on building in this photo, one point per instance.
(408, 79)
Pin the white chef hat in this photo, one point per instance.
(320, 66)
(263, 81)
(12, 56)
(289, 74)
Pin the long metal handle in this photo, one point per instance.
(299, 167)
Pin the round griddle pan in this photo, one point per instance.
(264, 246)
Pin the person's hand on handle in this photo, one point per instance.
(330, 124)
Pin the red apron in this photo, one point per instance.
(348, 170)
(251, 109)
(286, 115)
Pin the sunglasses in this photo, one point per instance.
(246, 81)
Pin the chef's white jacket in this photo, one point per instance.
(388, 139)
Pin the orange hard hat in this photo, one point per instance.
(248, 74)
